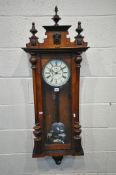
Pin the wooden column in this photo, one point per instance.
(76, 142)
(37, 105)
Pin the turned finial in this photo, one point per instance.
(79, 37)
(33, 30)
(56, 17)
(79, 29)
(33, 38)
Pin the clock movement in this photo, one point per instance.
(56, 74)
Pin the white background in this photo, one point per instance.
(97, 88)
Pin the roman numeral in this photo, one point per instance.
(63, 76)
(48, 76)
(51, 80)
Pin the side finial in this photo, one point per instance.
(56, 17)
(79, 29)
(33, 38)
(79, 37)
(33, 29)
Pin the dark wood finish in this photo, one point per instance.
(62, 106)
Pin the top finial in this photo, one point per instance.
(56, 10)
(56, 17)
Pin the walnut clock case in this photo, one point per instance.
(56, 74)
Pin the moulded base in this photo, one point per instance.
(57, 152)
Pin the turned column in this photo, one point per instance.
(77, 126)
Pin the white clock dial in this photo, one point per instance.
(56, 73)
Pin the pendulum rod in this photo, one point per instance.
(56, 105)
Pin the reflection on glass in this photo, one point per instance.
(57, 133)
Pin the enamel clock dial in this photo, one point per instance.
(56, 73)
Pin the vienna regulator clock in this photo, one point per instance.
(56, 74)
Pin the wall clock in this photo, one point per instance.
(56, 74)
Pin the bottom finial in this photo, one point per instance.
(58, 159)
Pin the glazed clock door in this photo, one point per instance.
(56, 83)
